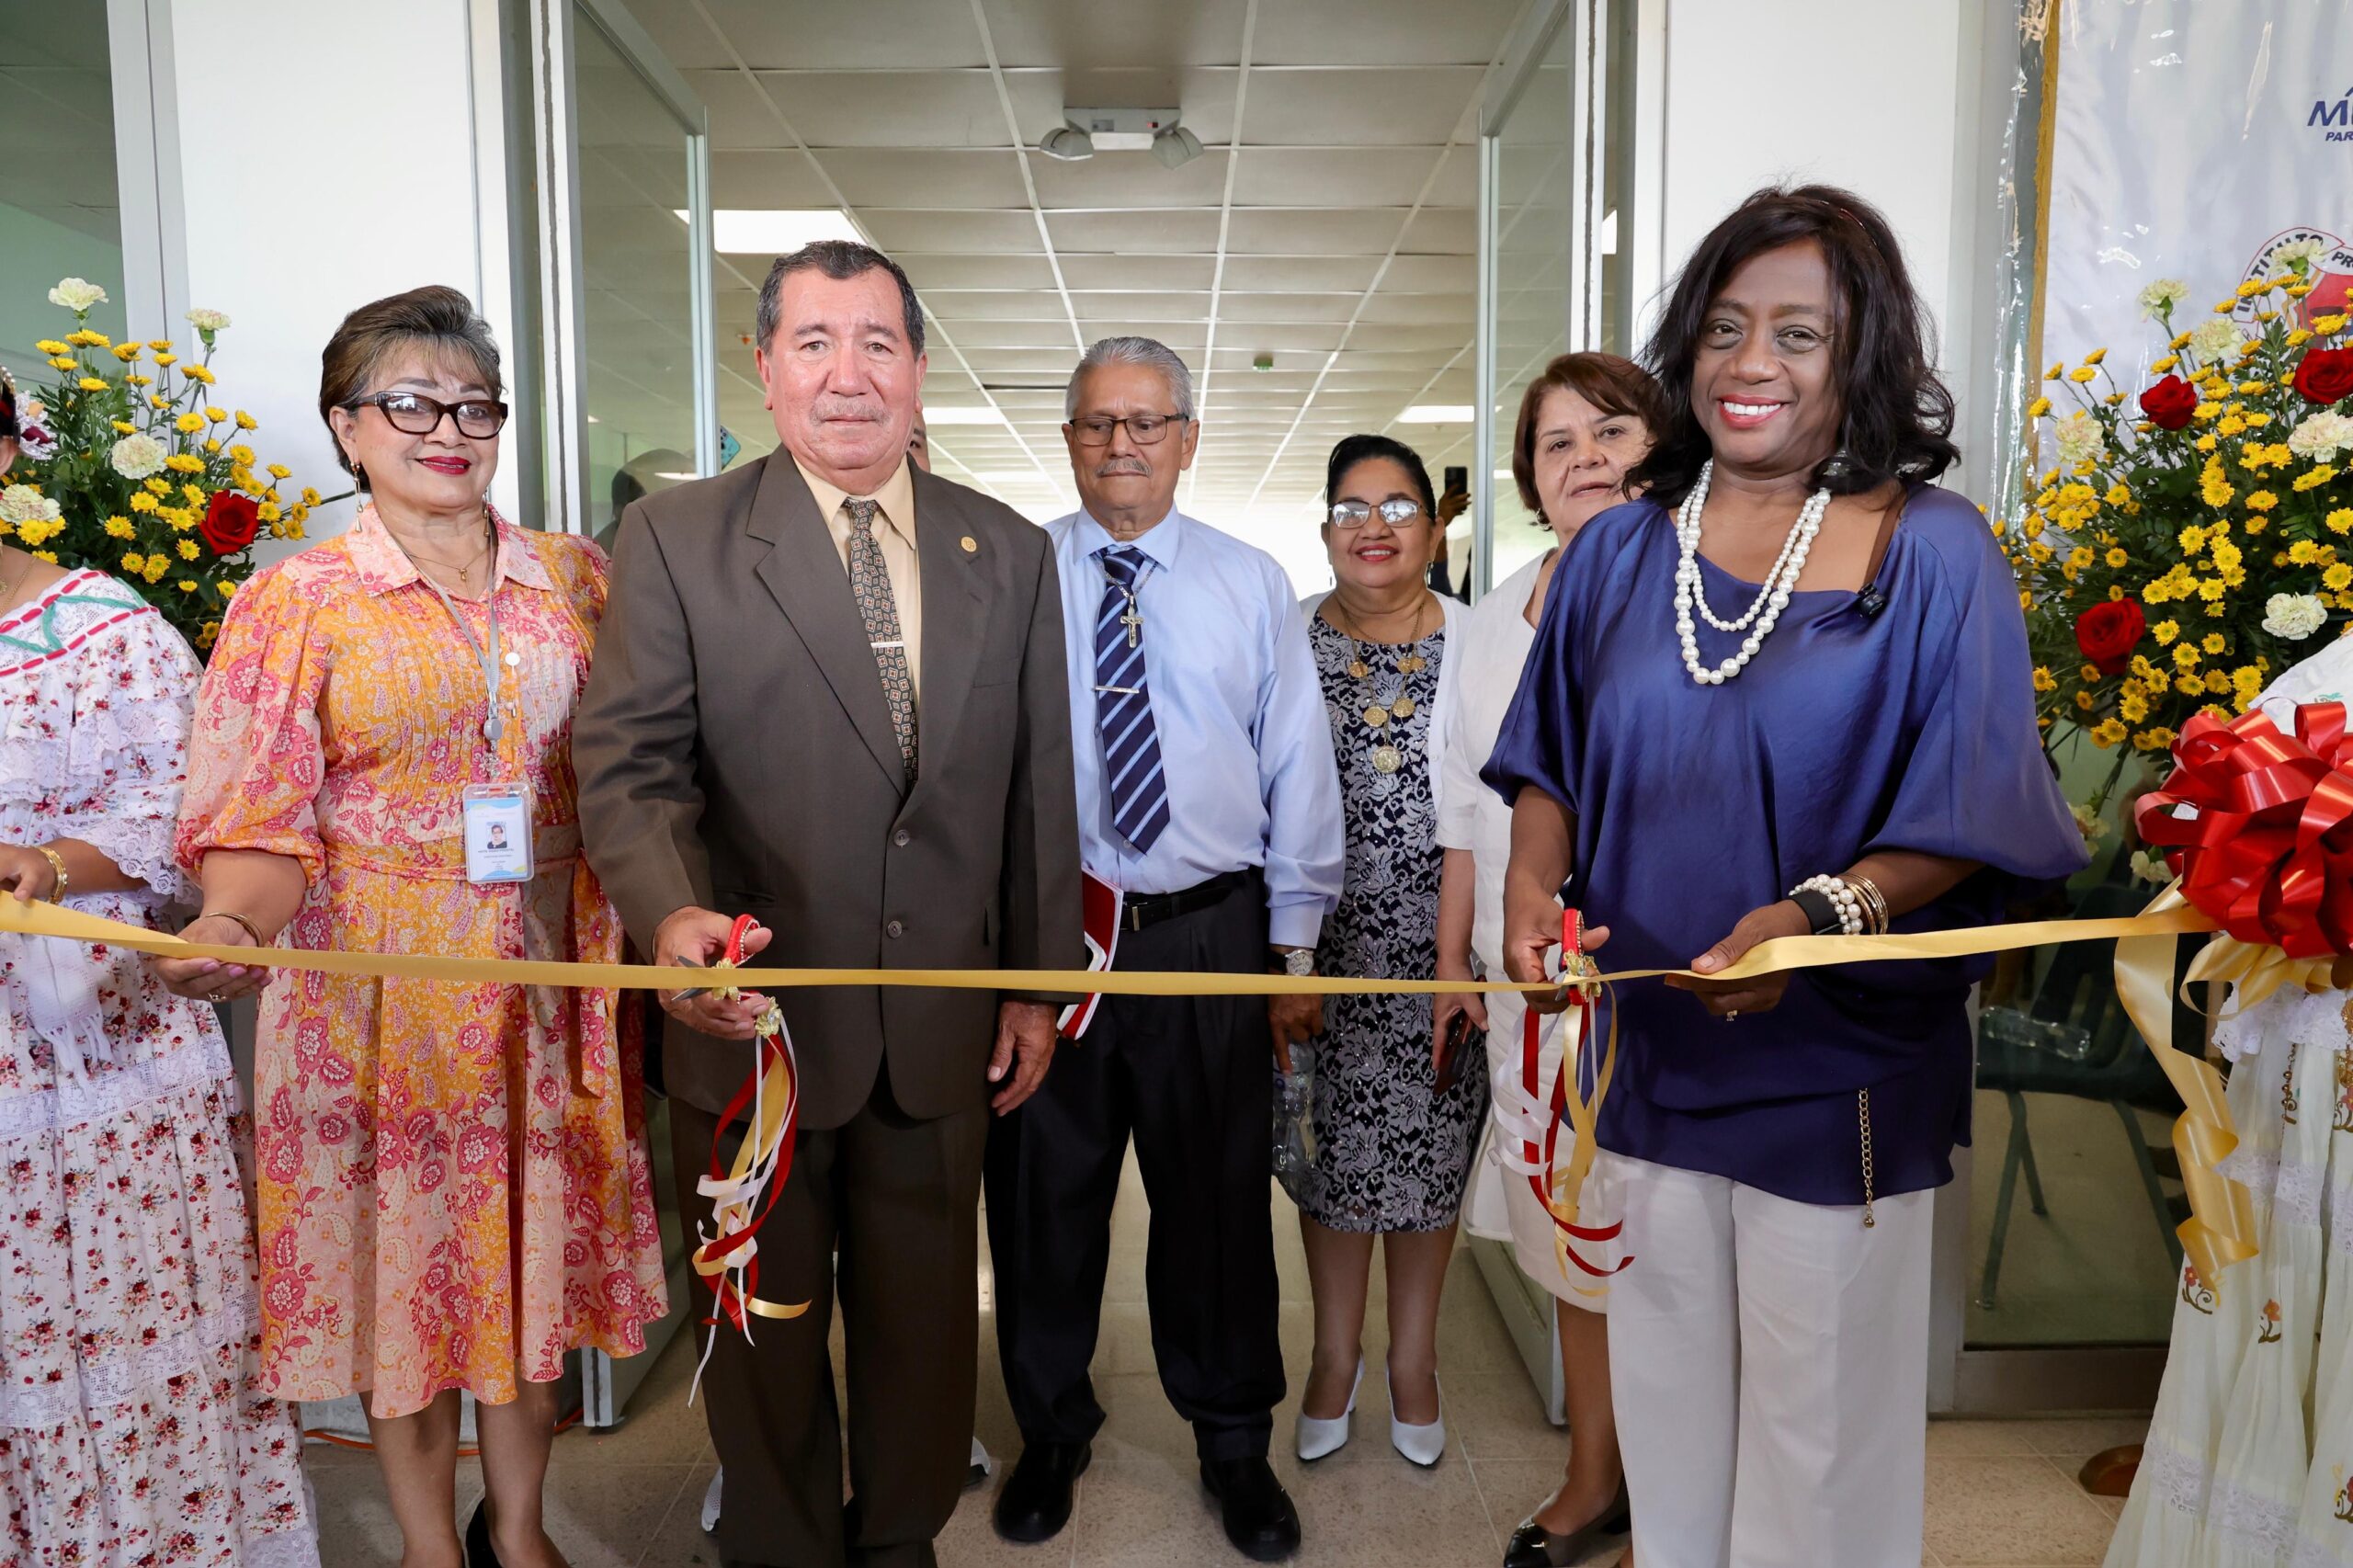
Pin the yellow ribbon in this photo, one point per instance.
(2221, 1227)
(1780, 953)
(2219, 1230)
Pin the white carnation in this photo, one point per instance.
(2164, 296)
(76, 295)
(2150, 867)
(137, 457)
(2215, 340)
(2293, 615)
(208, 320)
(2297, 254)
(2087, 822)
(2080, 438)
(21, 504)
(2322, 437)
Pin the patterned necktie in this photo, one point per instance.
(871, 583)
(1122, 710)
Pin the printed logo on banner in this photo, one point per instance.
(2331, 272)
(2333, 120)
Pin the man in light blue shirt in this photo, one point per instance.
(1208, 795)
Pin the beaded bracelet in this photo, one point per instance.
(1845, 902)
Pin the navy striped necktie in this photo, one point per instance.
(1131, 765)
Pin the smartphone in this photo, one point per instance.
(1449, 1068)
(1458, 478)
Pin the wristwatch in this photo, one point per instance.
(1299, 962)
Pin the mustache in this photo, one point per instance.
(1123, 465)
(846, 408)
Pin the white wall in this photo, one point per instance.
(299, 206)
(1865, 94)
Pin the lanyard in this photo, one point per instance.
(493, 726)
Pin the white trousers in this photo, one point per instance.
(1769, 1363)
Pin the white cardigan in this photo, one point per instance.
(1454, 613)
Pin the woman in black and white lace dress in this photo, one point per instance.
(1389, 1149)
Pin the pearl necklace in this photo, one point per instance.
(1771, 599)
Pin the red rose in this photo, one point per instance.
(2109, 633)
(230, 522)
(2169, 404)
(2325, 375)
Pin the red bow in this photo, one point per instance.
(2256, 824)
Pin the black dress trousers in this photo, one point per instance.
(1192, 1078)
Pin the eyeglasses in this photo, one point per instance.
(414, 413)
(1143, 429)
(1396, 512)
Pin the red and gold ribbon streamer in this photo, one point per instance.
(1561, 1192)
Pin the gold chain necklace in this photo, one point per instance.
(1377, 713)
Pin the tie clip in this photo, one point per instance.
(890, 644)
(1122, 690)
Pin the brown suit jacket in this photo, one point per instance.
(735, 752)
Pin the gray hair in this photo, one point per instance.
(840, 260)
(1135, 351)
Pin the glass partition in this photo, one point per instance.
(59, 216)
(1557, 171)
(639, 381)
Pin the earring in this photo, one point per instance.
(1838, 468)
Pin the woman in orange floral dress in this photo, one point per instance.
(453, 1185)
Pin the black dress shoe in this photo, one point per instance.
(479, 1552)
(1259, 1518)
(1035, 1504)
(1533, 1546)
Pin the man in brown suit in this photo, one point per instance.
(830, 693)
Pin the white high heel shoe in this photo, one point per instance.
(1423, 1444)
(1317, 1437)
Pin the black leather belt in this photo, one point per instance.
(1142, 910)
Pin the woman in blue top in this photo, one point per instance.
(1786, 692)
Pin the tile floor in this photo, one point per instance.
(2000, 1492)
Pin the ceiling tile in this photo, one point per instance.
(1130, 272)
(925, 229)
(911, 108)
(1043, 335)
(1305, 272)
(950, 269)
(1337, 176)
(995, 304)
(1448, 231)
(1412, 106)
(815, 34)
(1096, 33)
(1189, 307)
(1383, 32)
(1130, 180)
(1356, 230)
(929, 177)
(1156, 232)
(1432, 275)
(766, 177)
(1388, 308)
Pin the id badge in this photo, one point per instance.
(498, 833)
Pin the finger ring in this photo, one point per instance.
(1731, 1015)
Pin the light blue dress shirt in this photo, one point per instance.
(1244, 739)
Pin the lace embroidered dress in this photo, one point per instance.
(132, 1430)
(2249, 1458)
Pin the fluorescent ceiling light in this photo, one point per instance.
(1438, 413)
(774, 231)
(953, 414)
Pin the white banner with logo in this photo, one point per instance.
(2190, 140)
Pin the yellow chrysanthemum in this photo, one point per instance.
(2315, 478)
(2340, 521)
(2107, 732)
(199, 375)
(2304, 551)
(2185, 658)
(189, 550)
(2331, 324)
(184, 462)
(2081, 375)
(167, 359)
(243, 455)
(133, 562)
(188, 423)
(2261, 501)
(2213, 643)
(2338, 577)
(2116, 558)
(51, 347)
(121, 527)
(2037, 408)
(2164, 631)
(143, 501)
(2188, 685)
(2043, 679)
(247, 421)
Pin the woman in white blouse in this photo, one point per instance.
(1583, 424)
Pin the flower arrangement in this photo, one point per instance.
(2194, 540)
(131, 467)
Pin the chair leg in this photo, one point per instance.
(2019, 1152)
(2033, 1172)
(2157, 1204)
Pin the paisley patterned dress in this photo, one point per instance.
(132, 1427)
(453, 1179)
(1386, 1153)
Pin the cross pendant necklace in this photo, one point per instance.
(1132, 619)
